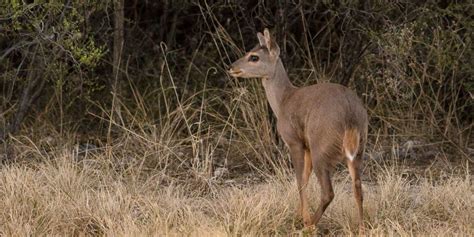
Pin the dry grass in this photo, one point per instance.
(71, 194)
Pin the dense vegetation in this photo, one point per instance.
(140, 93)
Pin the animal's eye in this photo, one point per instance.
(253, 58)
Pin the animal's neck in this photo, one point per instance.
(277, 87)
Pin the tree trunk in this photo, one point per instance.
(117, 82)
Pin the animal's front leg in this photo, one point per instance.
(303, 170)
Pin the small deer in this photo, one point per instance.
(322, 124)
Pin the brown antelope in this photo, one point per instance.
(322, 124)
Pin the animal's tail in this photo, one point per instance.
(350, 143)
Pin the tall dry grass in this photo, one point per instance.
(73, 194)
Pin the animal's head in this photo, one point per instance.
(260, 61)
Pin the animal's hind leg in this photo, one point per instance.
(327, 192)
(354, 170)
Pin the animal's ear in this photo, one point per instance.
(261, 39)
(271, 44)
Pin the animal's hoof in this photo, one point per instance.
(307, 221)
(309, 229)
(361, 231)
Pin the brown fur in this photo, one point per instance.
(318, 123)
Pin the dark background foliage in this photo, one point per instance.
(410, 61)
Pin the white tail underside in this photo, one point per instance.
(349, 155)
